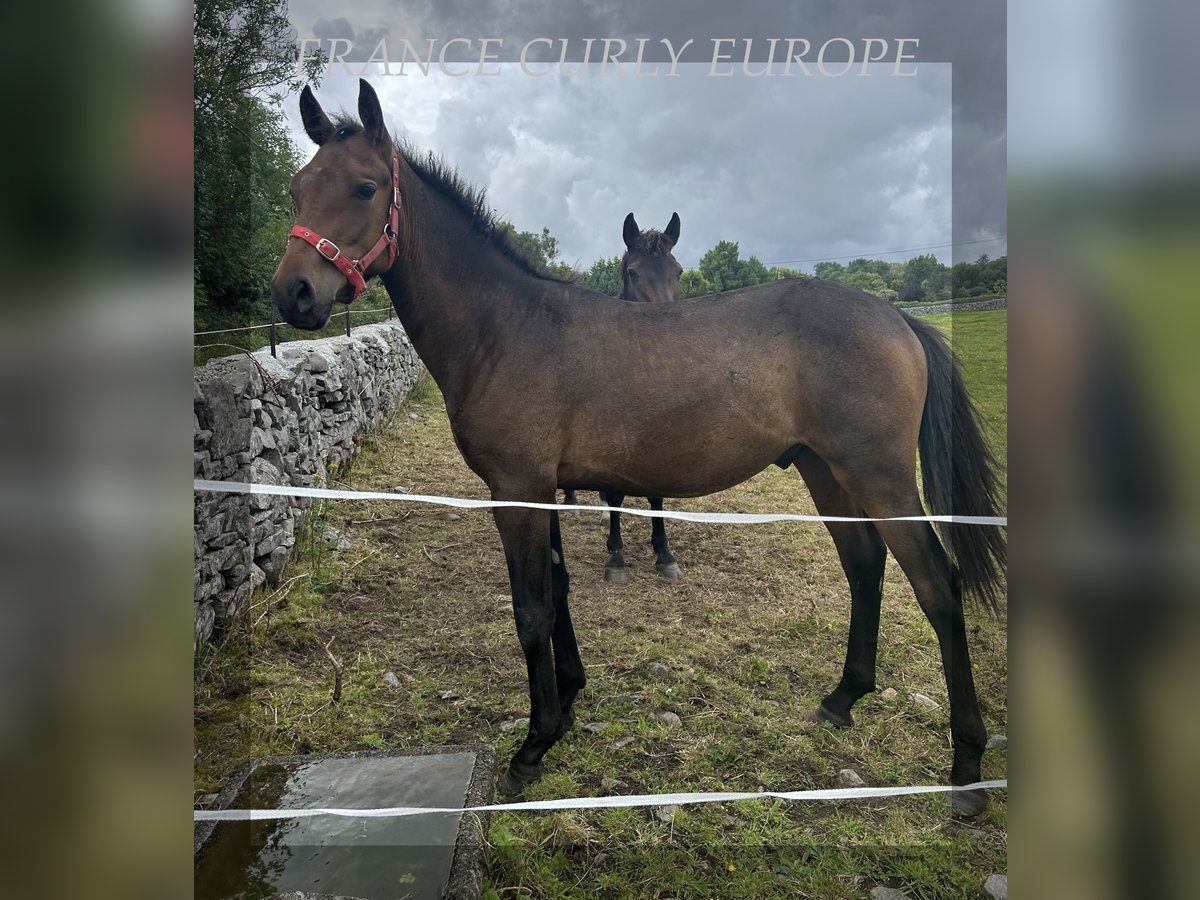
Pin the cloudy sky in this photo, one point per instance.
(793, 169)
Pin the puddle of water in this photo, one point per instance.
(371, 859)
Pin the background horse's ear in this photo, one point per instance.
(316, 124)
(631, 231)
(369, 112)
(673, 228)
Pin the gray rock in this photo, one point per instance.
(887, 694)
(666, 814)
(923, 702)
(848, 778)
(622, 743)
(996, 887)
(273, 563)
(391, 680)
(612, 784)
(668, 718)
(886, 893)
(514, 724)
(997, 742)
(337, 540)
(595, 727)
(657, 669)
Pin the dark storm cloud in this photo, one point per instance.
(789, 168)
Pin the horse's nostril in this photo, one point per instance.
(302, 292)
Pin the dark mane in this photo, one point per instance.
(470, 200)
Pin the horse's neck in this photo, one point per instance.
(452, 291)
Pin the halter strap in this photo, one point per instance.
(355, 269)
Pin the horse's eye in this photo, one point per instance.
(366, 191)
(633, 273)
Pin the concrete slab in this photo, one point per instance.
(431, 856)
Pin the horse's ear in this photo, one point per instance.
(672, 231)
(631, 231)
(370, 113)
(316, 124)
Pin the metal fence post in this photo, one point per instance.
(272, 329)
(347, 321)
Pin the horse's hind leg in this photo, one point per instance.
(568, 667)
(665, 562)
(936, 584)
(614, 570)
(863, 555)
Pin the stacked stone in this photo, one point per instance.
(284, 421)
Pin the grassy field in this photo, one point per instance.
(747, 644)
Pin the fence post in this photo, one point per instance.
(347, 320)
(272, 328)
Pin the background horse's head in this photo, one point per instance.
(649, 273)
(343, 202)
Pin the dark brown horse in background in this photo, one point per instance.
(649, 274)
(697, 397)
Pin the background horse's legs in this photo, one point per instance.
(569, 498)
(525, 534)
(614, 570)
(863, 557)
(937, 587)
(665, 563)
(568, 667)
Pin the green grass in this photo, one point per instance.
(752, 638)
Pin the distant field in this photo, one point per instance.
(751, 639)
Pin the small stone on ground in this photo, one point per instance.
(668, 718)
(924, 702)
(622, 743)
(848, 778)
(612, 784)
(391, 680)
(996, 887)
(997, 742)
(513, 725)
(657, 669)
(887, 893)
(887, 694)
(595, 727)
(666, 814)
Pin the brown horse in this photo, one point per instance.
(696, 398)
(649, 274)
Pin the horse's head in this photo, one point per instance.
(649, 273)
(347, 213)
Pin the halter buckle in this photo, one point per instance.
(321, 246)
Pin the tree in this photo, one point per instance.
(778, 273)
(864, 280)
(830, 271)
(245, 54)
(721, 267)
(693, 284)
(604, 276)
(754, 272)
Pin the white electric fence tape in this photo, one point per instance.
(863, 793)
(282, 490)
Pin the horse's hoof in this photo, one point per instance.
(516, 778)
(615, 575)
(568, 719)
(823, 715)
(669, 571)
(967, 804)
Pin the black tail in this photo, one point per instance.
(959, 471)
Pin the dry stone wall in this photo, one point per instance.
(282, 420)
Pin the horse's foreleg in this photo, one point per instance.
(525, 534)
(568, 667)
(863, 556)
(665, 562)
(614, 570)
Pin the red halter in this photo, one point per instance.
(355, 269)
